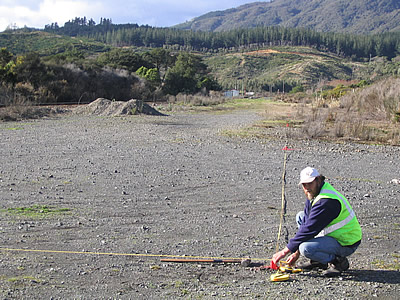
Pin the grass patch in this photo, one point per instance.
(179, 284)
(244, 103)
(394, 265)
(22, 111)
(14, 128)
(178, 141)
(259, 130)
(198, 103)
(36, 211)
(279, 123)
(18, 279)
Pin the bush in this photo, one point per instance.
(297, 89)
(380, 101)
(366, 114)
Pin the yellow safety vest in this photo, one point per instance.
(345, 227)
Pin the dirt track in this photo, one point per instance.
(174, 185)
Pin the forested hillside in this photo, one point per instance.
(356, 16)
(82, 60)
(346, 45)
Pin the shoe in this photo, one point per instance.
(338, 265)
(312, 264)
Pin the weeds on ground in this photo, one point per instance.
(213, 102)
(393, 265)
(19, 111)
(367, 114)
(19, 279)
(357, 112)
(35, 211)
(197, 100)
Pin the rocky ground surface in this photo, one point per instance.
(75, 186)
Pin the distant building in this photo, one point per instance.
(231, 93)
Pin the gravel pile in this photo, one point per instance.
(106, 107)
(174, 185)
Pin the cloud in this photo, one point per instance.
(152, 12)
(44, 12)
(164, 12)
(62, 11)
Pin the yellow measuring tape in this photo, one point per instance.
(167, 255)
(128, 254)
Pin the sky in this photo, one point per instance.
(157, 13)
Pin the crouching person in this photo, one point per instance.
(328, 228)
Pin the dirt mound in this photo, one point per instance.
(105, 107)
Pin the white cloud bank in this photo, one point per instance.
(44, 12)
(160, 13)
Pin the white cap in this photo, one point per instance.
(308, 175)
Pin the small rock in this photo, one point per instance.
(395, 181)
(245, 262)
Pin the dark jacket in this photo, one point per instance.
(315, 219)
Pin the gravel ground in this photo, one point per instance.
(174, 185)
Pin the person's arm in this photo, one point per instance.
(282, 254)
(321, 214)
(279, 255)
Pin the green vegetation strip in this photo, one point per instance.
(36, 211)
(19, 278)
(14, 128)
(245, 103)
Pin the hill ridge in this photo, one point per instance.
(357, 16)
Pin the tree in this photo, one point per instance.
(161, 58)
(7, 66)
(184, 75)
(5, 57)
(209, 84)
(153, 76)
(31, 69)
(123, 59)
(142, 71)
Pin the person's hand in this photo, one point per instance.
(279, 255)
(291, 260)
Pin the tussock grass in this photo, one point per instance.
(23, 109)
(368, 114)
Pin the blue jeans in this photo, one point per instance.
(323, 249)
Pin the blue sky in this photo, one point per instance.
(160, 13)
